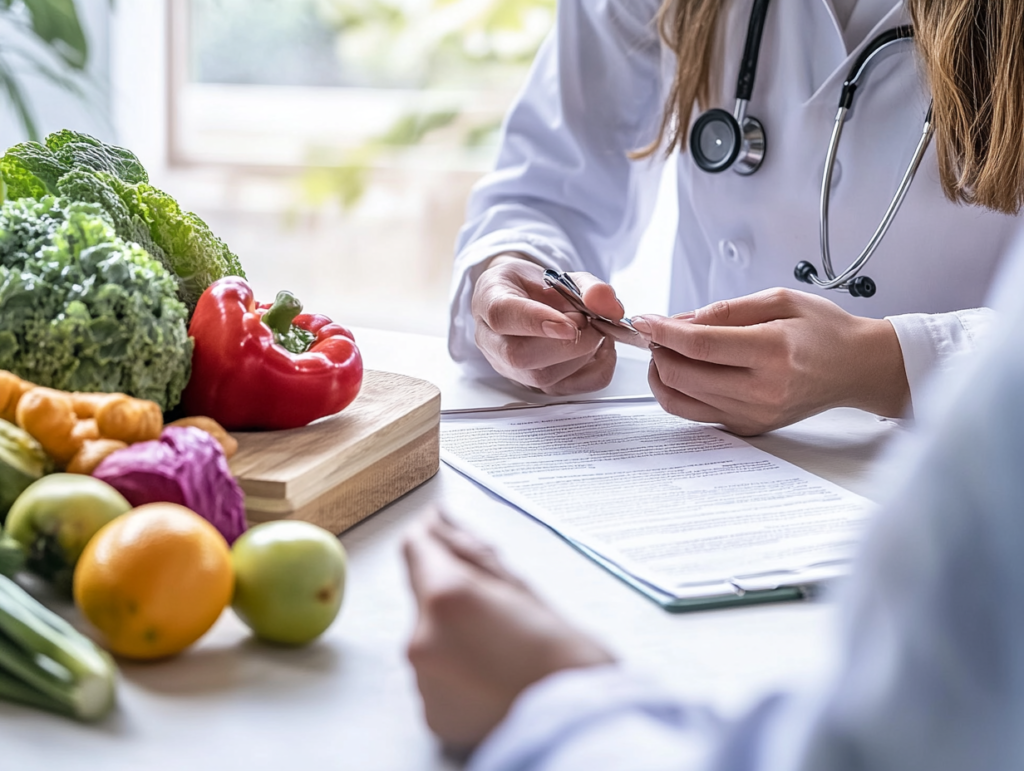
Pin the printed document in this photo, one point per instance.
(682, 507)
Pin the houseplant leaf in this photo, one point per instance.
(56, 22)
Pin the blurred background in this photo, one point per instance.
(331, 143)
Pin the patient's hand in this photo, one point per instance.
(481, 636)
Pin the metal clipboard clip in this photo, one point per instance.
(565, 286)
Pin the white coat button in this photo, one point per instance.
(734, 253)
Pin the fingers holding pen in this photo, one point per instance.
(711, 394)
(510, 295)
(519, 316)
(521, 351)
(734, 332)
(702, 380)
(535, 360)
(681, 404)
(598, 296)
(601, 299)
(532, 335)
(595, 373)
(735, 376)
(732, 346)
(621, 334)
(767, 360)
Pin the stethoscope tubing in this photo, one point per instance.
(834, 281)
(748, 147)
(882, 45)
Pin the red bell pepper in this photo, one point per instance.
(267, 366)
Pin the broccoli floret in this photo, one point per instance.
(83, 310)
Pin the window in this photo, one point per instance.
(333, 143)
(295, 83)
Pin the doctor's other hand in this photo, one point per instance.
(772, 358)
(481, 636)
(531, 335)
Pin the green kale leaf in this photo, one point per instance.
(31, 170)
(75, 150)
(80, 168)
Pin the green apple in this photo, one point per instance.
(54, 518)
(289, 580)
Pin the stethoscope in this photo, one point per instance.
(720, 140)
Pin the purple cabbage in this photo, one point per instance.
(186, 466)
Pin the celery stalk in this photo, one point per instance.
(43, 652)
(13, 689)
(12, 555)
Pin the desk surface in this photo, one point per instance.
(349, 700)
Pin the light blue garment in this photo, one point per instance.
(566, 194)
(931, 674)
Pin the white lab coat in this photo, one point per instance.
(565, 193)
(931, 671)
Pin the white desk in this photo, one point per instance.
(349, 700)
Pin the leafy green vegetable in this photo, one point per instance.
(80, 168)
(30, 170)
(195, 254)
(84, 310)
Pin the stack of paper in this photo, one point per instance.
(689, 514)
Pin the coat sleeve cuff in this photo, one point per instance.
(933, 342)
(566, 719)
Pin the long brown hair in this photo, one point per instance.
(972, 52)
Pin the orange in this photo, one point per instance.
(154, 580)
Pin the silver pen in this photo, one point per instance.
(565, 286)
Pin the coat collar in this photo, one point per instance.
(869, 18)
(863, 21)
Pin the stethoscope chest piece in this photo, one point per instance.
(720, 140)
(717, 142)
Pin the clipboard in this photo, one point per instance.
(737, 597)
(673, 604)
(738, 583)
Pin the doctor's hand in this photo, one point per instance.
(481, 635)
(531, 335)
(769, 359)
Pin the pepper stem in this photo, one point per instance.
(285, 308)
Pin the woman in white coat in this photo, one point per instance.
(614, 92)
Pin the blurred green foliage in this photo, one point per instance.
(438, 43)
(48, 40)
(464, 47)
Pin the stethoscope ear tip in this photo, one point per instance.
(862, 286)
(805, 272)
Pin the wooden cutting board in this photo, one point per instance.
(341, 469)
